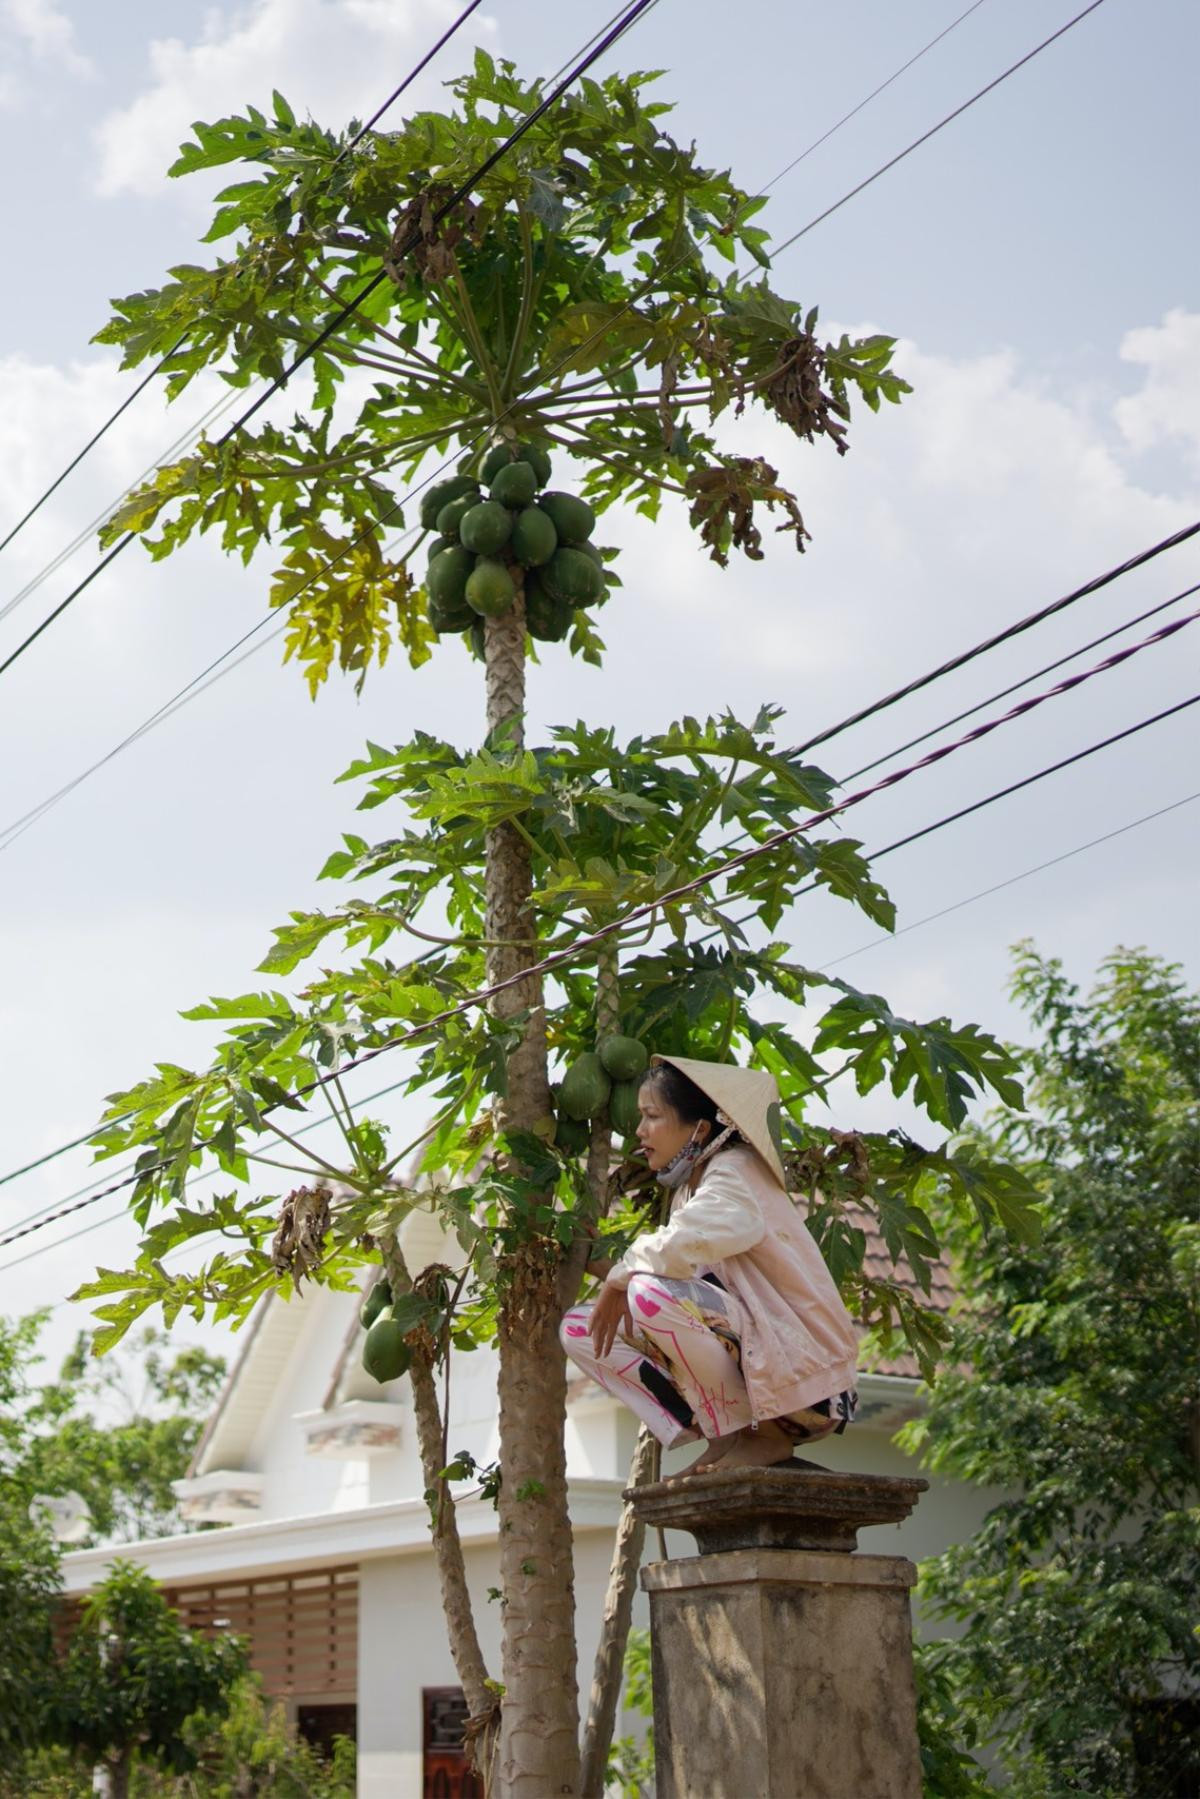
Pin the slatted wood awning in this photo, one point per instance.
(301, 1629)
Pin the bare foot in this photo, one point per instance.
(761, 1448)
(712, 1453)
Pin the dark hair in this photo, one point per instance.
(690, 1103)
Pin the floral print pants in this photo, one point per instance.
(680, 1372)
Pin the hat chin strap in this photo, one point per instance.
(686, 1160)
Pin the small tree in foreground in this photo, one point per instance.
(133, 1676)
(567, 311)
(1080, 1661)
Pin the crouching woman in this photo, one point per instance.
(724, 1323)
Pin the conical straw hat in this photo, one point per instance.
(748, 1096)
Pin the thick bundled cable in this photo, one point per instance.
(650, 908)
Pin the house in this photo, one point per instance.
(322, 1558)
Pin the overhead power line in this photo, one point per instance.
(610, 36)
(229, 400)
(1009, 881)
(888, 849)
(163, 361)
(873, 95)
(999, 637)
(173, 704)
(19, 826)
(940, 126)
(917, 924)
(1047, 668)
(208, 677)
(629, 19)
(649, 909)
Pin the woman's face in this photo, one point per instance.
(662, 1133)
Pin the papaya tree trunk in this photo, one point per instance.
(614, 1628)
(609, 1666)
(447, 1547)
(539, 1721)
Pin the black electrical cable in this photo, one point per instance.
(875, 943)
(163, 361)
(873, 95)
(913, 686)
(990, 643)
(629, 19)
(189, 691)
(651, 908)
(1015, 686)
(1009, 881)
(940, 126)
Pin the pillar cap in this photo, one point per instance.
(794, 1505)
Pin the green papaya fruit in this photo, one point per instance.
(497, 458)
(490, 590)
(538, 460)
(379, 1297)
(438, 545)
(547, 618)
(386, 1356)
(446, 580)
(448, 620)
(573, 1136)
(477, 638)
(570, 575)
(515, 485)
(625, 1058)
(453, 512)
(585, 1087)
(486, 528)
(440, 494)
(572, 517)
(534, 539)
(624, 1113)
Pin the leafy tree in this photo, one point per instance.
(28, 1563)
(133, 1676)
(568, 308)
(1074, 1387)
(120, 1431)
(117, 1432)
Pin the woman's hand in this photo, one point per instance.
(610, 1316)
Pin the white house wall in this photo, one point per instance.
(367, 1510)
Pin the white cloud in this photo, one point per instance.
(47, 34)
(335, 59)
(988, 492)
(1166, 409)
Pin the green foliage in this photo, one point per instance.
(133, 1676)
(609, 826)
(570, 301)
(119, 1433)
(29, 1577)
(631, 1759)
(1073, 1386)
(948, 1769)
(250, 1751)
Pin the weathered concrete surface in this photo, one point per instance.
(783, 1674)
(782, 1660)
(797, 1505)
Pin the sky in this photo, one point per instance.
(1035, 263)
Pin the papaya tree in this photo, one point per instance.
(579, 318)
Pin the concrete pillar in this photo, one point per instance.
(782, 1659)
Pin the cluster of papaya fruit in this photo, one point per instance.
(386, 1355)
(520, 537)
(609, 1075)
